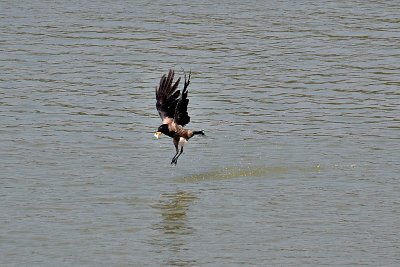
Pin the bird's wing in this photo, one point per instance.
(167, 97)
(181, 116)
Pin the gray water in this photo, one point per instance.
(299, 166)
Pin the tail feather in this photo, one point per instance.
(199, 132)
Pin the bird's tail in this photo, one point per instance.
(199, 132)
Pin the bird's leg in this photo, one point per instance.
(176, 144)
(175, 159)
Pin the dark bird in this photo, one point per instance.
(172, 108)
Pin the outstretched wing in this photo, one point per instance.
(167, 97)
(181, 116)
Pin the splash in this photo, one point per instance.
(235, 172)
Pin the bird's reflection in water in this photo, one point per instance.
(173, 231)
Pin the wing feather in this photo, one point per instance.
(171, 104)
(181, 116)
(167, 97)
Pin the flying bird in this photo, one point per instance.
(172, 107)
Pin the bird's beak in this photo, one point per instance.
(157, 134)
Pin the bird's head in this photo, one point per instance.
(163, 129)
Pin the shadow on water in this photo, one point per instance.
(173, 229)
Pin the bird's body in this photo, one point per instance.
(172, 108)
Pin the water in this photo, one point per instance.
(299, 102)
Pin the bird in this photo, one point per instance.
(172, 105)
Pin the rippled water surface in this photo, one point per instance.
(299, 166)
